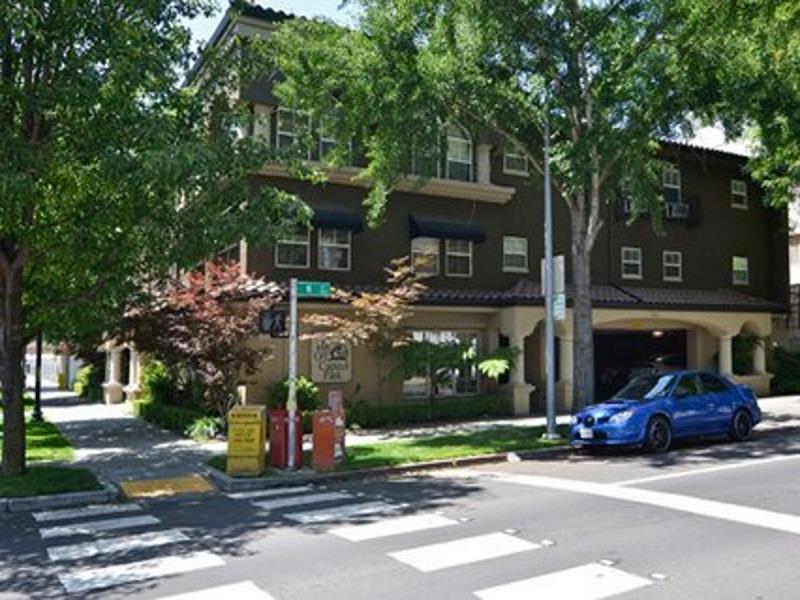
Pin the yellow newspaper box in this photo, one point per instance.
(247, 428)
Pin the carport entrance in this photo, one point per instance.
(620, 355)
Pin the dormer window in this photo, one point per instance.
(459, 154)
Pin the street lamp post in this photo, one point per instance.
(549, 285)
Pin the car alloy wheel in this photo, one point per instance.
(659, 435)
(742, 426)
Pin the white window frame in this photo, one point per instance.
(624, 261)
(292, 134)
(511, 268)
(514, 152)
(434, 242)
(746, 270)
(448, 253)
(739, 194)
(679, 264)
(290, 242)
(348, 246)
(671, 179)
(458, 134)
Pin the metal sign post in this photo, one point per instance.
(549, 284)
(291, 403)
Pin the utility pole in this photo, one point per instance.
(37, 393)
(291, 403)
(549, 286)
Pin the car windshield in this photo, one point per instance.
(646, 387)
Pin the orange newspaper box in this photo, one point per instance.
(324, 441)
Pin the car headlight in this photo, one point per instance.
(620, 417)
(573, 420)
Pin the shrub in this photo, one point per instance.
(307, 394)
(157, 383)
(414, 412)
(205, 428)
(88, 383)
(173, 418)
(786, 367)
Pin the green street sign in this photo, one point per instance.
(313, 289)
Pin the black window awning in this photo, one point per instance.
(445, 228)
(337, 218)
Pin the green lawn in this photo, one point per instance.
(441, 447)
(43, 480)
(44, 442)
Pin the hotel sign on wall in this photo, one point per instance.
(331, 362)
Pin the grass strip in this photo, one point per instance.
(45, 480)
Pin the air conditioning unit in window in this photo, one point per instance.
(676, 210)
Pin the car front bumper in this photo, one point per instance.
(605, 434)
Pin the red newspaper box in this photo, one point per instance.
(279, 439)
(324, 437)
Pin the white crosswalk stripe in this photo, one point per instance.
(342, 512)
(87, 580)
(150, 539)
(90, 527)
(463, 551)
(588, 582)
(84, 512)
(391, 526)
(244, 590)
(302, 500)
(284, 491)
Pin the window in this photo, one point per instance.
(515, 254)
(261, 121)
(458, 260)
(294, 252)
(334, 249)
(459, 154)
(672, 265)
(431, 378)
(425, 255)
(631, 262)
(741, 274)
(712, 384)
(426, 161)
(671, 180)
(291, 125)
(515, 162)
(326, 140)
(738, 193)
(687, 386)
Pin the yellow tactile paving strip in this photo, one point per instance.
(154, 488)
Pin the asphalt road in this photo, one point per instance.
(707, 520)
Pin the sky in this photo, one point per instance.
(202, 28)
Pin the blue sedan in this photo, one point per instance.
(653, 410)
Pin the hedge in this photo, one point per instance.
(415, 412)
(173, 418)
(786, 367)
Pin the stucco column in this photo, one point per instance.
(725, 355)
(112, 388)
(759, 359)
(519, 388)
(565, 366)
(133, 376)
(63, 369)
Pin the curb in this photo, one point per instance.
(109, 493)
(226, 483)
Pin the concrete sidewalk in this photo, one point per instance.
(120, 447)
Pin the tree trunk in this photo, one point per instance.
(12, 374)
(583, 353)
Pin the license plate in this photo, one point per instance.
(586, 434)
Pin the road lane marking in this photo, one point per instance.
(301, 500)
(85, 511)
(391, 526)
(121, 544)
(284, 491)
(87, 580)
(702, 471)
(588, 582)
(747, 515)
(244, 590)
(90, 527)
(462, 552)
(342, 512)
